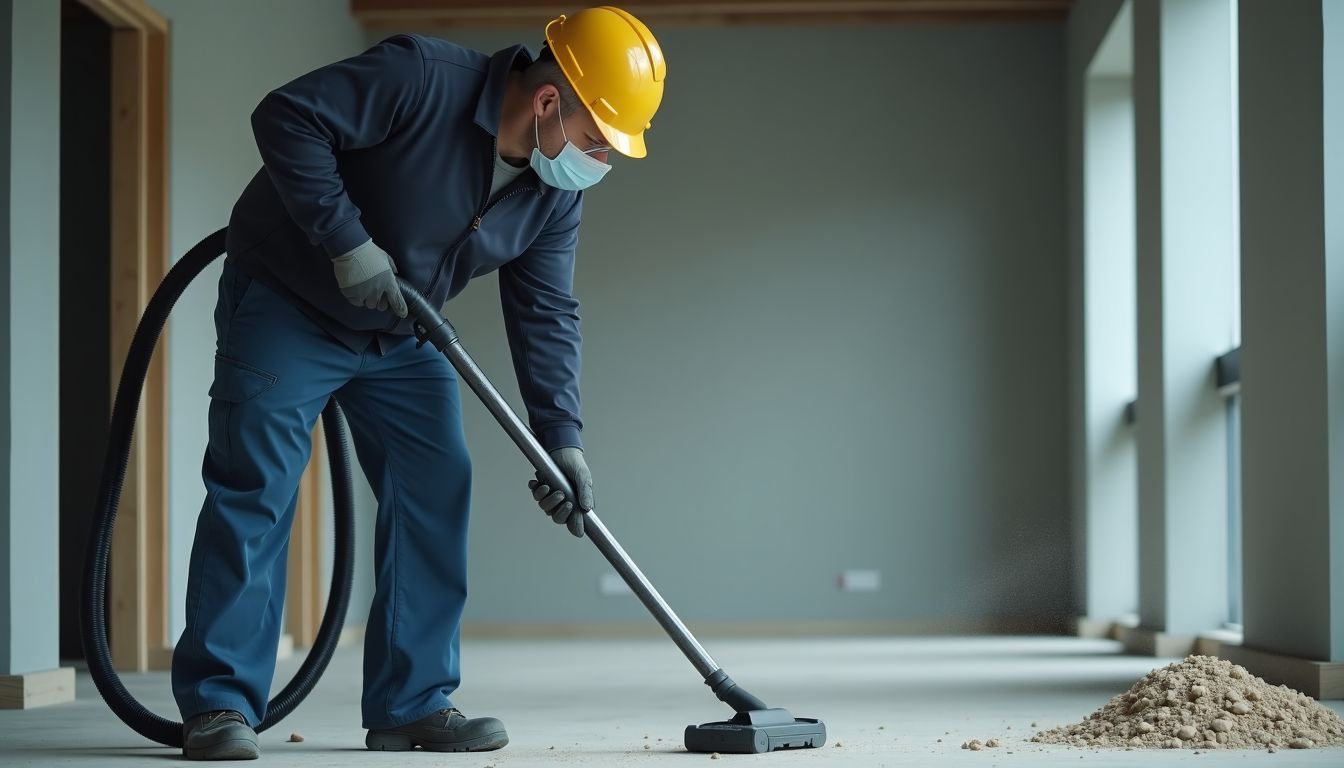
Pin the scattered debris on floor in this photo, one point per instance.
(975, 745)
(296, 737)
(1207, 703)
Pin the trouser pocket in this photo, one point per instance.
(238, 382)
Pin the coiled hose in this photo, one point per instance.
(93, 603)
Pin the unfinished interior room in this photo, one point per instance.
(510, 383)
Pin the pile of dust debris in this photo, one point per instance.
(1207, 703)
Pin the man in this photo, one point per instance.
(423, 160)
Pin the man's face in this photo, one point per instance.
(578, 126)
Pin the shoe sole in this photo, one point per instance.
(393, 741)
(233, 749)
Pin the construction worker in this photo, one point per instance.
(428, 161)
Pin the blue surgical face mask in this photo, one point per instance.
(572, 169)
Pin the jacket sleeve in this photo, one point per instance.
(348, 105)
(542, 321)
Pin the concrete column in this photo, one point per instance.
(1184, 142)
(29, 337)
(1109, 354)
(1292, 234)
(1091, 28)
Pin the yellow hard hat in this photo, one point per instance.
(615, 67)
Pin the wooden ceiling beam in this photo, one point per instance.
(463, 13)
(128, 14)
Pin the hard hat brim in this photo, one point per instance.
(628, 144)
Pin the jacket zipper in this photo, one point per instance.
(475, 222)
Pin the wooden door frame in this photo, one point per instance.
(139, 579)
(138, 570)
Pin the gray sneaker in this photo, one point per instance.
(221, 735)
(447, 730)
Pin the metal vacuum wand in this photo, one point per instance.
(760, 728)
(434, 328)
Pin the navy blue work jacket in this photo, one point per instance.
(398, 145)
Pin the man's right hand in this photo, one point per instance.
(368, 279)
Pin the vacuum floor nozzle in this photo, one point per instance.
(760, 730)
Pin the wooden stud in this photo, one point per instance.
(154, 419)
(138, 567)
(303, 596)
(128, 598)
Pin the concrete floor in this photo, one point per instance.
(886, 702)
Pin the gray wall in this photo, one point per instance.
(824, 329)
(29, 325)
(824, 322)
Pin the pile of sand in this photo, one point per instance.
(1207, 703)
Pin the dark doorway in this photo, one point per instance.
(85, 217)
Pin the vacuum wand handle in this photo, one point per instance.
(434, 328)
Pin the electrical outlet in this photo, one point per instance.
(612, 585)
(860, 580)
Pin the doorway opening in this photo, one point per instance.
(85, 294)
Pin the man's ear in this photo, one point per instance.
(545, 99)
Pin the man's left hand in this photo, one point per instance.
(555, 504)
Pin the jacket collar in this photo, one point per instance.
(496, 79)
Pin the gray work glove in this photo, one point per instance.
(556, 504)
(367, 278)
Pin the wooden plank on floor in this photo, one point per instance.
(37, 689)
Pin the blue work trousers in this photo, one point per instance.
(274, 371)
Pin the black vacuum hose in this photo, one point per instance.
(93, 605)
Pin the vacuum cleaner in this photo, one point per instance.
(754, 727)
